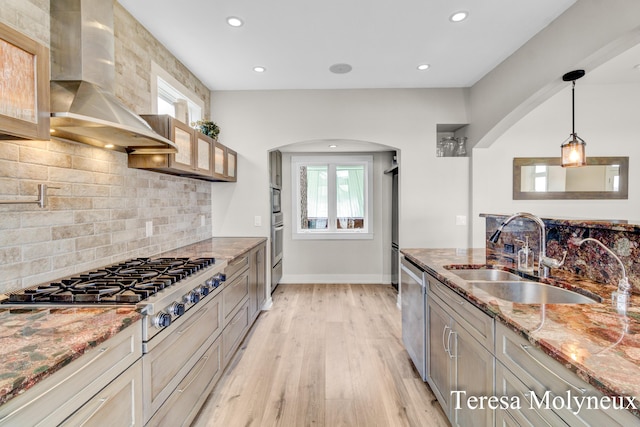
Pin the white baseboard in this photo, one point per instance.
(337, 278)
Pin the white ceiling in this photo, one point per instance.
(383, 40)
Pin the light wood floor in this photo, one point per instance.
(324, 355)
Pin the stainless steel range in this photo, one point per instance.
(180, 300)
(163, 289)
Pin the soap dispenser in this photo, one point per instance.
(525, 256)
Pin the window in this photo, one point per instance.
(173, 98)
(540, 178)
(332, 196)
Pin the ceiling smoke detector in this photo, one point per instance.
(340, 68)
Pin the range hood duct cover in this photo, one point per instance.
(83, 106)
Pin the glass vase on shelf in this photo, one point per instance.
(461, 147)
(449, 146)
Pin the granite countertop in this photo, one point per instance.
(35, 342)
(593, 340)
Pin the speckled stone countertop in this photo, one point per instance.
(218, 247)
(35, 342)
(593, 340)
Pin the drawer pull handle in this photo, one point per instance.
(445, 291)
(455, 335)
(203, 363)
(445, 344)
(535, 359)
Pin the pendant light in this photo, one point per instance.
(573, 150)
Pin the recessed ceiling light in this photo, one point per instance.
(259, 69)
(108, 146)
(234, 21)
(333, 146)
(340, 68)
(459, 16)
(423, 67)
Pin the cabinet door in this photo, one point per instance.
(219, 161)
(24, 86)
(440, 352)
(184, 138)
(232, 160)
(204, 154)
(474, 368)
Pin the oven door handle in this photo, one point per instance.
(193, 321)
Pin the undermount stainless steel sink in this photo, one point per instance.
(492, 275)
(511, 287)
(531, 292)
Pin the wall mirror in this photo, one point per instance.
(542, 178)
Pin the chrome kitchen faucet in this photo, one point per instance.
(544, 262)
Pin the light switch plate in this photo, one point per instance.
(257, 221)
(149, 228)
(461, 220)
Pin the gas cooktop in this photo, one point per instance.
(128, 282)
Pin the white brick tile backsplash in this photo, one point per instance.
(98, 214)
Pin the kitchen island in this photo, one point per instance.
(594, 341)
(51, 342)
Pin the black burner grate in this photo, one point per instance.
(128, 282)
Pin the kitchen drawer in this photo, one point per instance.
(236, 265)
(54, 399)
(120, 402)
(233, 293)
(182, 407)
(525, 415)
(540, 373)
(479, 324)
(169, 362)
(235, 330)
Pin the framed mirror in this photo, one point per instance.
(543, 178)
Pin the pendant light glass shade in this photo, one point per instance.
(573, 152)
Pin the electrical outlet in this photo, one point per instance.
(257, 220)
(508, 248)
(461, 220)
(202, 221)
(149, 228)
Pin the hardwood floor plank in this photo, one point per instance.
(324, 355)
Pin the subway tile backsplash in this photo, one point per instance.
(97, 214)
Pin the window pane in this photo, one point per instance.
(350, 197)
(314, 199)
(165, 108)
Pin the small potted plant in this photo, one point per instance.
(207, 127)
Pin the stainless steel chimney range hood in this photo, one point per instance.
(83, 105)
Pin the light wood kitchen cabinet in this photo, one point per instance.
(459, 356)
(120, 402)
(225, 162)
(275, 169)
(24, 103)
(257, 280)
(198, 156)
(184, 161)
(522, 367)
(57, 397)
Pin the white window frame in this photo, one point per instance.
(163, 82)
(331, 233)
